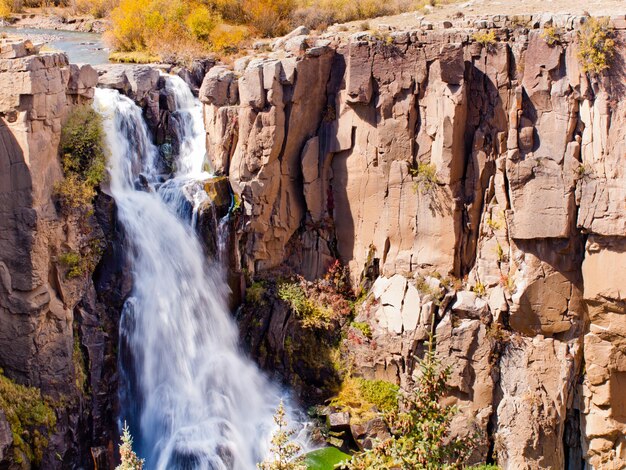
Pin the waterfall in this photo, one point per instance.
(193, 400)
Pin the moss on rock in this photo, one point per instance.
(31, 417)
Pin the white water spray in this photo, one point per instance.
(193, 400)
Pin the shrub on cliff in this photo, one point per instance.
(421, 431)
(31, 418)
(596, 47)
(82, 158)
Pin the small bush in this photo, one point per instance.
(284, 451)
(363, 327)
(500, 253)
(420, 428)
(201, 22)
(552, 35)
(479, 289)
(381, 393)
(311, 313)
(6, 8)
(80, 264)
(31, 419)
(255, 294)
(73, 262)
(486, 39)
(426, 177)
(596, 46)
(129, 460)
(494, 224)
(82, 158)
(365, 399)
(227, 38)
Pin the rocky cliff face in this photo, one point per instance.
(479, 183)
(53, 335)
(476, 187)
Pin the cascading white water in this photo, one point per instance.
(193, 400)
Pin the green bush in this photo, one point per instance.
(255, 293)
(365, 399)
(379, 392)
(596, 47)
(420, 432)
(31, 419)
(82, 158)
(73, 262)
(311, 313)
(79, 264)
(363, 328)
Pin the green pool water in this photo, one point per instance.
(325, 459)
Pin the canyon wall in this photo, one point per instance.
(476, 183)
(476, 187)
(53, 332)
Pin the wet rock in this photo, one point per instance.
(368, 434)
(339, 421)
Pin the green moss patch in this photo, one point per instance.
(31, 419)
(364, 399)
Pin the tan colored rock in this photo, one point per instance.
(219, 87)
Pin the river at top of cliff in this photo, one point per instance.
(81, 48)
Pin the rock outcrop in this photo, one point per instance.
(478, 186)
(41, 341)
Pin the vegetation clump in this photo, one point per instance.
(255, 294)
(129, 460)
(479, 289)
(596, 46)
(284, 451)
(486, 39)
(364, 399)
(318, 304)
(552, 35)
(425, 177)
(311, 313)
(82, 158)
(363, 327)
(31, 418)
(78, 264)
(420, 428)
(6, 8)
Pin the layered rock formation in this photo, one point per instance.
(426, 156)
(474, 188)
(50, 335)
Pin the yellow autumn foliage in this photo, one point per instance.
(6, 8)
